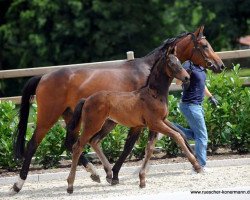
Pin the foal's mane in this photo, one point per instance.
(160, 61)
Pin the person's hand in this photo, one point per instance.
(213, 101)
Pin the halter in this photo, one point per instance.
(196, 47)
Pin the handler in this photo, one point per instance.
(191, 108)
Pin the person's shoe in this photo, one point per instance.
(204, 170)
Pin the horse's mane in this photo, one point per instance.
(164, 48)
(169, 42)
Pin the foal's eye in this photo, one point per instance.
(205, 46)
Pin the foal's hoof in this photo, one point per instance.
(109, 180)
(70, 190)
(95, 178)
(115, 181)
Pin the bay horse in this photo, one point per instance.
(145, 107)
(58, 92)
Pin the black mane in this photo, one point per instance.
(169, 42)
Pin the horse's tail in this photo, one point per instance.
(27, 94)
(76, 117)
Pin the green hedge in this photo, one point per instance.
(228, 126)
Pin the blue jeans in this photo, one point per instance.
(194, 115)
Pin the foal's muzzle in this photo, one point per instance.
(186, 83)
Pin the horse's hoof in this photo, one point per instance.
(95, 178)
(70, 190)
(109, 180)
(142, 185)
(14, 190)
(115, 181)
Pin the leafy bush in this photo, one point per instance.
(113, 143)
(8, 123)
(50, 150)
(139, 148)
(169, 145)
(228, 124)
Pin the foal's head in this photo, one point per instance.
(174, 67)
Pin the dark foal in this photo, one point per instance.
(58, 92)
(145, 107)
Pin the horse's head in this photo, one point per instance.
(174, 67)
(197, 49)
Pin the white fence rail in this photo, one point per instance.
(17, 73)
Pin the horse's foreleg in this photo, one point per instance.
(133, 135)
(148, 153)
(95, 143)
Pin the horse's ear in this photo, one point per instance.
(199, 32)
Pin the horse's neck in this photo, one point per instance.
(183, 53)
(159, 83)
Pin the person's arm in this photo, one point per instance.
(178, 82)
(207, 92)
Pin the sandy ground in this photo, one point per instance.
(158, 181)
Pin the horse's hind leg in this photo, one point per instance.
(129, 144)
(71, 138)
(47, 116)
(31, 149)
(95, 143)
(148, 153)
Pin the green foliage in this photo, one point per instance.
(8, 121)
(50, 150)
(112, 145)
(139, 148)
(228, 124)
(174, 111)
(169, 146)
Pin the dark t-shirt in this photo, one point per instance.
(195, 93)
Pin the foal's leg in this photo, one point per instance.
(93, 125)
(148, 153)
(162, 127)
(71, 138)
(133, 135)
(95, 144)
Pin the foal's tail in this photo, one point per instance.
(28, 91)
(76, 117)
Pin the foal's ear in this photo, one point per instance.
(199, 32)
(171, 50)
(175, 51)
